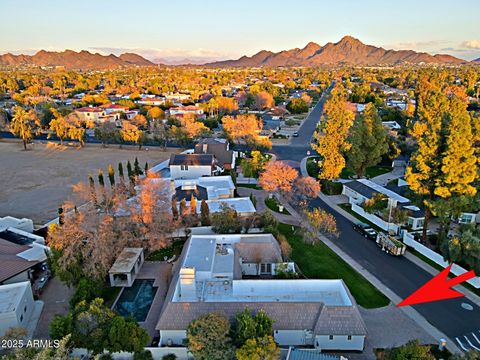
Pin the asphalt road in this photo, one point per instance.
(397, 273)
(298, 147)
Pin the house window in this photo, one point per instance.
(184, 167)
(349, 337)
(265, 268)
(330, 337)
(25, 309)
(21, 318)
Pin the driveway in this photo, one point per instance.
(55, 297)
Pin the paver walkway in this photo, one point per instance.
(261, 195)
(384, 179)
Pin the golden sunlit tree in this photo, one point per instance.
(331, 139)
(25, 124)
(277, 177)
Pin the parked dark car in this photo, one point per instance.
(365, 230)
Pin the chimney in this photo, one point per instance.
(188, 290)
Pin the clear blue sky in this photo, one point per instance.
(220, 29)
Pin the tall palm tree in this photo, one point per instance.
(25, 125)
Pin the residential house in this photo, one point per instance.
(361, 190)
(155, 101)
(212, 278)
(192, 166)
(179, 112)
(88, 114)
(113, 108)
(220, 148)
(16, 305)
(22, 262)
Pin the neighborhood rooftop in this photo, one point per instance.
(191, 159)
(368, 188)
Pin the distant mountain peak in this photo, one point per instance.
(348, 50)
(74, 60)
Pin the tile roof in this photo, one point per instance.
(191, 159)
(11, 263)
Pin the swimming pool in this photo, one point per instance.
(136, 300)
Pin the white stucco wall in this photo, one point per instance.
(21, 315)
(176, 336)
(23, 276)
(292, 337)
(193, 172)
(339, 342)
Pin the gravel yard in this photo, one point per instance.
(36, 182)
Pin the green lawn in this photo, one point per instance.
(312, 167)
(109, 294)
(376, 171)
(273, 203)
(174, 249)
(320, 262)
(348, 208)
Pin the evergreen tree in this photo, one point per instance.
(331, 139)
(204, 213)
(120, 169)
(193, 205)
(130, 172)
(93, 192)
(174, 208)
(146, 168)
(137, 170)
(183, 208)
(101, 180)
(368, 140)
(111, 175)
(444, 164)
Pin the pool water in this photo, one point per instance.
(136, 300)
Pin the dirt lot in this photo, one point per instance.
(35, 182)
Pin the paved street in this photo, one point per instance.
(298, 147)
(399, 274)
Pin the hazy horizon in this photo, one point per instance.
(216, 30)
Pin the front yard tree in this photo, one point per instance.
(97, 328)
(331, 139)
(59, 126)
(204, 214)
(319, 221)
(131, 133)
(25, 125)
(278, 177)
(445, 164)
(368, 140)
(106, 132)
(263, 348)
(226, 221)
(241, 127)
(208, 338)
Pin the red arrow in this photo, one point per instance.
(439, 288)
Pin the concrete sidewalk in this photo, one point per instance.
(261, 195)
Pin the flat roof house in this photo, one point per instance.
(192, 166)
(361, 190)
(212, 276)
(16, 305)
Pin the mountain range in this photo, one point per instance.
(347, 51)
(75, 60)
